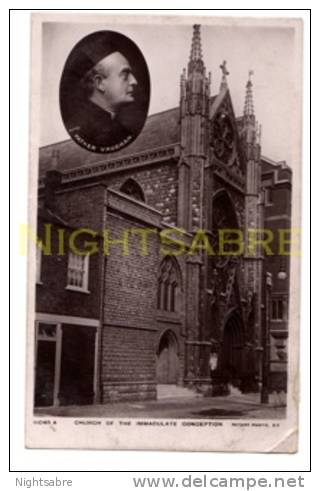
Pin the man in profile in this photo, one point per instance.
(107, 87)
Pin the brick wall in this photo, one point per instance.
(82, 206)
(128, 345)
(52, 296)
(159, 184)
(128, 364)
(130, 284)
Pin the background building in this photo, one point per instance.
(276, 181)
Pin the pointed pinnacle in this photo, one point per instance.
(196, 63)
(248, 103)
(196, 53)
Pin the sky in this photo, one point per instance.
(269, 50)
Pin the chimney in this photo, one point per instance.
(52, 181)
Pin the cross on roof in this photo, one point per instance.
(223, 67)
(224, 84)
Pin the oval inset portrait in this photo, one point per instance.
(104, 92)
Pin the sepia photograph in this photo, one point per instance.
(164, 233)
(97, 86)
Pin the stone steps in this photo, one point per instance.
(166, 391)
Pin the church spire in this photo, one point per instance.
(194, 83)
(194, 136)
(225, 73)
(248, 111)
(195, 61)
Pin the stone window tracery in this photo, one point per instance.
(168, 285)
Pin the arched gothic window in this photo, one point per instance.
(168, 285)
(132, 188)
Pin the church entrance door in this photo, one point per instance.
(232, 349)
(167, 359)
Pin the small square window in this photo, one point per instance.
(78, 272)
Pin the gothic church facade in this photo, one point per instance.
(116, 325)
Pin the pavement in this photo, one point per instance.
(234, 406)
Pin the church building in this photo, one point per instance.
(134, 289)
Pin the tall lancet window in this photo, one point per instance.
(169, 285)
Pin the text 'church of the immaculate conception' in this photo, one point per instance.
(151, 258)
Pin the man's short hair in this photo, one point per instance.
(87, 81)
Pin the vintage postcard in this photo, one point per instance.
(163, 234)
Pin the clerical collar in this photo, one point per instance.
(111, 113)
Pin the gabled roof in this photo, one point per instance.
(216, 101)
(160, 129)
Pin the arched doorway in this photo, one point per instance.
(232, 349)
(167, 359)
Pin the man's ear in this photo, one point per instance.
(97, 82)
